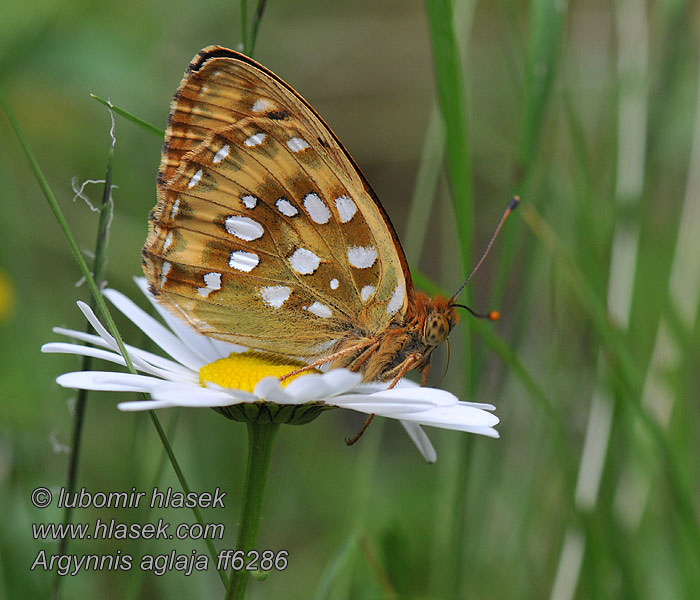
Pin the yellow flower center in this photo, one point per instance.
(243, 371)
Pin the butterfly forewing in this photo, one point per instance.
(219, 89)
(265, 232)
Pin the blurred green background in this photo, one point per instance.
(589, 110)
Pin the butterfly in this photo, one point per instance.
(267, 234)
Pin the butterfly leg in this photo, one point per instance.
(329, 358)
(424, 374)
(411, 361)
(362, 359)
(358, 435)
(405, 367)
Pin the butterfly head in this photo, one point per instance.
(436, 329)
(440, 317)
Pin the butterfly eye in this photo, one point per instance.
(436, 329)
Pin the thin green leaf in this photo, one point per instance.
(453, 108)
(98, 268)
(339, 562)
(257, 19)
(145, 125)
(244, 25)
(100, 303)
(631, 375)
(547, 20)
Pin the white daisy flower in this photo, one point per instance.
(205, 372)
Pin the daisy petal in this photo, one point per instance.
(388, 401)
(382, 408)
(113, 357)
(63, 348)
(487, 431)
(270, 390)
(106, 336)
(163, 338)
(313, 386)
(186, 333)
(420, 439)
(207, 348)
(238, 395)
(481, 405)
(371, 387)
(453, 417)
(153, 359)
(107, 381)
(409, 394)
(179, 395)
(198, 400)
(90, 315)
(138, 405)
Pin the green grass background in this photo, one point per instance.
(585, 109)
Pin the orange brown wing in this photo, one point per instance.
(266, 233)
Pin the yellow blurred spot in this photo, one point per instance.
(7, 296)
(243, 371)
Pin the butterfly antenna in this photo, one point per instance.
(512, 205)
(493, 315)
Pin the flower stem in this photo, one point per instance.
(260, 438)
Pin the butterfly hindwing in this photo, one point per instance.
(265, 232)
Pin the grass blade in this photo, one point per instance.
(453, 108)
(448, 556)
(100, 303)
(432, 156)
(547, 18)
(633, 38)
(257, 19)
(547, 21)
(98, 270)
(659, 395)
(145, 125)
(341, 561)
(244, 25)
(629, 372)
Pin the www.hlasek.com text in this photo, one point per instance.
(112, 529)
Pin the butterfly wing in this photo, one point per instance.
(266, 233)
